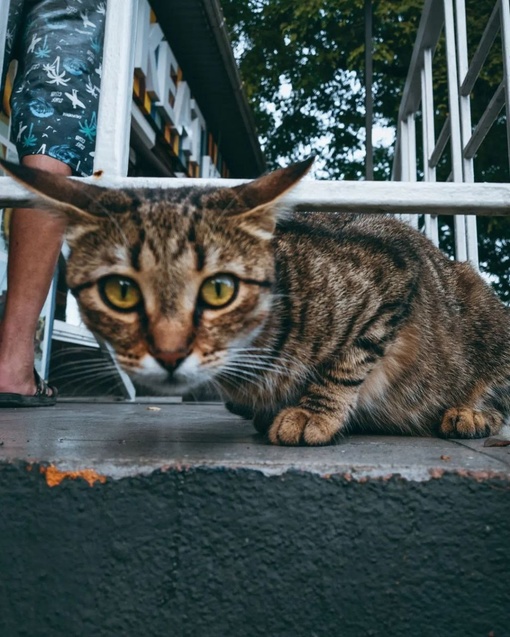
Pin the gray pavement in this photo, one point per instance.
(126, 439)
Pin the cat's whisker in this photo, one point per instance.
(84, 373)
(233, 381)
(259, 380)
(80, 365)
(247, 377)
(87, 383)
(279, 359)
(253, 364)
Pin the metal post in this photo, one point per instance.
(404, 154)
(369, 99)
(429, 137)
(505, 39)
(465, 123)
(411, 159)
(114, 118)
(4, 18)
(455, 136)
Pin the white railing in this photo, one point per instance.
(373, 197)
(450, 16)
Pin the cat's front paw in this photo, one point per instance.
(294, 426)
(462, 422)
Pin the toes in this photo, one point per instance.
(288, 427)
(458, 423)
(467, 423)
(294, 426)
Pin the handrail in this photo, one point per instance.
(374, 197)
(450, 16)
(486, 41)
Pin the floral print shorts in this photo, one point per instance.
(58, 45)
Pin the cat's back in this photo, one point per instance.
(367, 243)
(387, 261)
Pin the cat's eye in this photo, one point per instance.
(219, 290)
(120, 293)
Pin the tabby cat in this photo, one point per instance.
(312, 324)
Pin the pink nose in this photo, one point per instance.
(170, 359)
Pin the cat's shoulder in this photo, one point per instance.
(345, 226)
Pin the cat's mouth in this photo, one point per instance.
(187, 375)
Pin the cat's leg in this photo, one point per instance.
(484, 418)
(322, 412)
(261, 419)
(240, 410)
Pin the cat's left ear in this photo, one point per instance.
(259, 196)
(75, 201)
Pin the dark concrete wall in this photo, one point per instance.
(234, 553)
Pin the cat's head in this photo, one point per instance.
(178, 281)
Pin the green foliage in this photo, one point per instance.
(315, 49)
(302, 64)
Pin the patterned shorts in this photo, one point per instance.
(54, 100)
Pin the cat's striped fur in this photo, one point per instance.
(338, 320)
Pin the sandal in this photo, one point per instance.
(45, 396)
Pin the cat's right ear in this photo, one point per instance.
(258, 197)
(75, 201)
(270, 187)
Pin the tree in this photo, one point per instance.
(302, 67)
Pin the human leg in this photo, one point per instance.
(54, 110)
(34, 245)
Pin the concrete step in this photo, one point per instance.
(168, 519)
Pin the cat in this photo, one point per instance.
(312, 324)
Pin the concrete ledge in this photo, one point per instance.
(128, 520)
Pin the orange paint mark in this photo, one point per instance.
(98, 173)
(54, 476)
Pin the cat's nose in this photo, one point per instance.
(170, 360)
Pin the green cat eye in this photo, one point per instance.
(218, 290)
(120, 293)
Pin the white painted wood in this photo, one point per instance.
(442, 140)
(411, 159)
(114, 118)
(481, 52)
(115, 102)
(411, 148)
(428, 34)
(455, 135)
(375, 197)
(505, 39)
(486, 121)
(427, 105)
(465, 126)
(404, 149)
(4, 17)
(404, 165)
(76, 334)
(141, 126)
(464, 100)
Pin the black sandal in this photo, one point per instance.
(45, 396)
